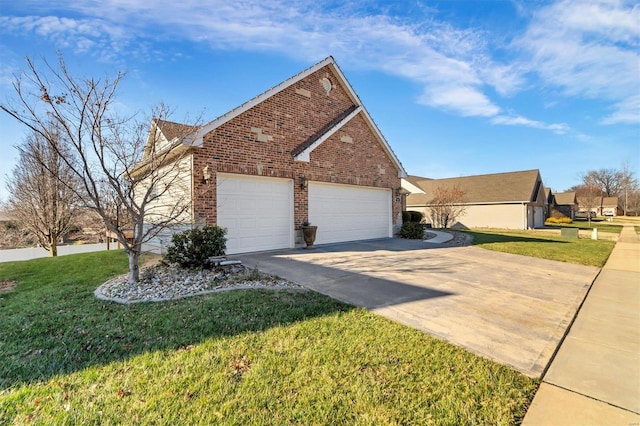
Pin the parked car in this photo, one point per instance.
(609, 213)
(585, 215)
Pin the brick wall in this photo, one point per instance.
(260, 141)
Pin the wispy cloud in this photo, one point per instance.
(586, 48)
(626, 111)
(522, 121)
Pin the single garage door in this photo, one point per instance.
(257, 212)
(349, 212)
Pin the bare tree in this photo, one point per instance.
(120, 164)
(633, 203)
(590, 199)
(447, 205)
(38, 199)
(628, 184)
(609, 180)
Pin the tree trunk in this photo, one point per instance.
(134, 269)
(53, 246)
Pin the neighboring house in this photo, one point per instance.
(565, 203)
(4, 218)
(610, 207)
(514, 200)
(605, 206)
(305, 149)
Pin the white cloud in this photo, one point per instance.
(626, 111)
(587, 48)
(446, 61)
(558, 128)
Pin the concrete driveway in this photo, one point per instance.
(509, 308)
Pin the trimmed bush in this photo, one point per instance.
(411, 216)
(406, 216)
(412, 230)
(416, 217)
(192, 248)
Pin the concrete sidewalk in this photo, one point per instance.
(594, 378)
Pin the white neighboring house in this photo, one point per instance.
(512, 200)
(173, 183)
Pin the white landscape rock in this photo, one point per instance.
(160, 283)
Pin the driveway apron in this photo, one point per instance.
(509, 308)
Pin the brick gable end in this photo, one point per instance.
(260, 141)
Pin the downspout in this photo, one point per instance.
(524, 215)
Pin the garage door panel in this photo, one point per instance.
(349, 212)
(257, 212)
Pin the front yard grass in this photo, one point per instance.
(537, 244)
(239, 357)
(601, 226)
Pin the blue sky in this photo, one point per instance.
(457, 87)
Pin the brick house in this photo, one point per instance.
(305, 149)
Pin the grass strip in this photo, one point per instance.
(536, 244)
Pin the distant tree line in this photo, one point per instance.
(611, 182)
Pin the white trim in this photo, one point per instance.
(304, 155)
(404, 183)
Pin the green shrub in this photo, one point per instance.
(406, 216)
(411, 216)
(192, 248)
(416, 217)
(412, 230)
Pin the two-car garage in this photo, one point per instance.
(259, 215)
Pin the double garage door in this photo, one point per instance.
(348, 212)
(258, 212)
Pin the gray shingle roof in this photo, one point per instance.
(565, 198)
(507, 187)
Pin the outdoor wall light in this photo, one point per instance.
(402, 191)
(303, 182)
(206, 176)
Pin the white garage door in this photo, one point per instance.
(348, 212)
(257, 212)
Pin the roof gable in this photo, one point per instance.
(301, 153)
(511, 187)
(165, 134)
(565, 198)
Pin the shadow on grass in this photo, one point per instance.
(53, 325)
(487, 238)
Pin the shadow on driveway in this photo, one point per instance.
(512, 309)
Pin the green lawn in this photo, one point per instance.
(600, 225)
(241, 357)
(536, 244)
